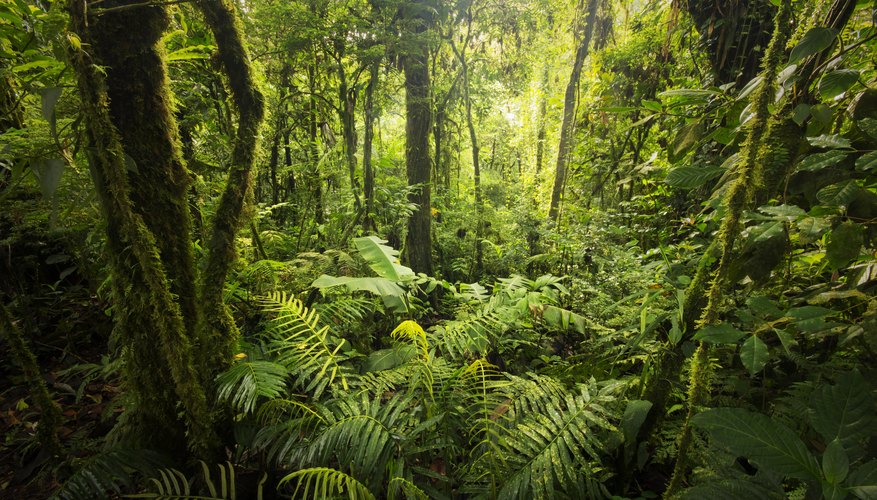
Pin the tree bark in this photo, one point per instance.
(418, 242)
(567, 128)
(367, 166)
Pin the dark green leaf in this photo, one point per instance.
(844, 244)
(814, 41)
(844, 411)
(692, 177)
(829, 141)
(49, 97)
(753, 354)
(819, 161)
(769, 443)
(867, 161)
(863, 481)
(634, 415)
(840, 194)
(835, 463)
(811, 228)
(651, 105)
(723, 333)
(49, 174)
(687, 137)
(837, 82)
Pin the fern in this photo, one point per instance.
(305, 348)
(174, 485)
(243, 383)
(554, 450)
(468, 338)
(345, 313)
(110, 472)
(323, 482)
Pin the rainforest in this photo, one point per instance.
(444, 249)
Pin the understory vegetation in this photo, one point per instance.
(438, 249)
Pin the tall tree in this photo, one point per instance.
(567, 127)
(418, 17)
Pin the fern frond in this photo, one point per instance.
(554, 450)
(407, 489)
(243, 383)
(323, 482)
(110, 472)
(467, 338)
(305, 348)
(174, 485)
(414, 333)
(345, 313)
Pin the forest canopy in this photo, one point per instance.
(438, 249)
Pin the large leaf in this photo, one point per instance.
(829, 141)
(844, 411)
(688, 136)
(49, 174)
(391, 293)
(867, 161)
(840, 194)
(692, 177)
(863, 481)
(753, 354)
(771, 444)
(819, 161)
(382, 259)
(723, 333)
(837, 82)
(814, 41)
(844, 244)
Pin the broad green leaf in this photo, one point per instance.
(814, 41)
(49, 97)
(651, 105)
(564, 319)
(802, 112)
(634, 415)
(840, 194)
(867, 161)
(755, 436)
(810, 312)
(844, 244)
(863, 481)
(382, 259)
(753, 354)
(723, 333)
(829, 141)
(692, 177)
(837, 82)
(819, 161)
(763, 307)
(835, 463)
(391, 293)
(191, 52)
(689, 134)
(869, 126)
(812, 228)
(683, 97)
(385, 359)
(844, 411)
(788, 211)
(750, 87)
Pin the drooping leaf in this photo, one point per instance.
(829, 141)
(684, 97)
(723, 333)
(692, 177)
(814, 41)
(382, 259)
(753, 354)
(819, 161)
(687, 137)
(844, 244)
(812, 228)
(391, 293)
(634, 415)
(759, 438)
(844, 411)
(790, 212)
(840, 194)
(49, 98)
(49, 174)
(837, 82)
(243, 383)
(867, 161)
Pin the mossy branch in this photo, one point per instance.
(50, 412)
(108, 161)
(219, 333)
(737, 197)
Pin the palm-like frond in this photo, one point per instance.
(323, 482)
(305, 348)
(172, 484)
(243, 383)
(344, 313)
(467, 338)
(400, 487)
(553, 451)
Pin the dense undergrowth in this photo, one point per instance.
(695, 319)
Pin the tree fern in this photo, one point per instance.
(306, 349)
(323, 482)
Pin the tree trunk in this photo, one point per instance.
(368, 169)
(567, 128)
(418, 116)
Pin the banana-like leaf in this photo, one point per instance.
(382, 259)
(391, 293)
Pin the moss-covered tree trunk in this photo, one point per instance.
(146, 272)
(418, 242)
(367, 165)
